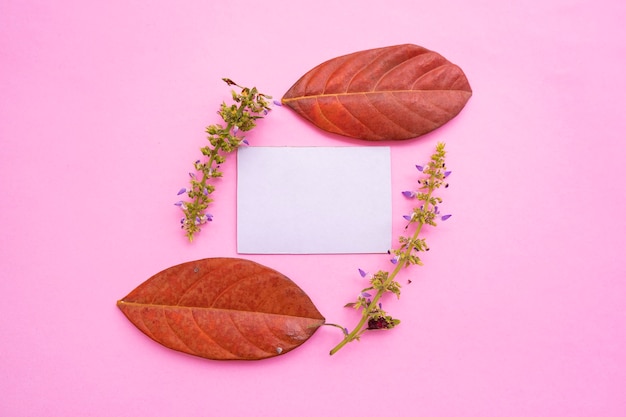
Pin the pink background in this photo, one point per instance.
(519, 310)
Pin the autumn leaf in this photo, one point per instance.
(392, 93)
(224, 309)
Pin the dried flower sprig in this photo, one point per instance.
(249, 105)
(373, 317)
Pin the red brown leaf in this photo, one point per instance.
(224, 309)
(392, 93)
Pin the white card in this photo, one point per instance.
(313, 200)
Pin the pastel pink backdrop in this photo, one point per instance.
(518, 311)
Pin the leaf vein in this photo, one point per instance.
(396, 66)
(195, 284)
(401, 103)
(243, 335)
(389, 119)
(431, 70)
(225, 290)
(349, 83)
(176, 333)
(340, 67)
(356, 118)
(195, 321)
(338, 128)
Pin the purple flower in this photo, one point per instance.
(245, 142)
(437, 213)
(278, 103)
(362, 272)
(408, 194)
(180, 204)
(407, 217)
(394, 260)
(181, 191)
(445, 174)
(235, 130)
(203, 219)
(366, 295)
(420, 168)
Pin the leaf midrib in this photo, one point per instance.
(171, 307)
(285, 100)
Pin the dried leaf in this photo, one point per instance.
(223, 308)
(393, 93)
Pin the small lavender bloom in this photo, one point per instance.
(407, 217)
(235, 130)
(366, 295)
(346, 331)
(445, 174)
(205, 191)
(179, 204)
(192, 175)
(245, 142)
(420, 168)
(362, 273)
(446, 217)
(394, 260)
(278, 103)
(181, 191)
(408, 194)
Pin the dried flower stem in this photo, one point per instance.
(249, 106)
(382, 282)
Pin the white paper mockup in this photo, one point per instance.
(307, 200)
